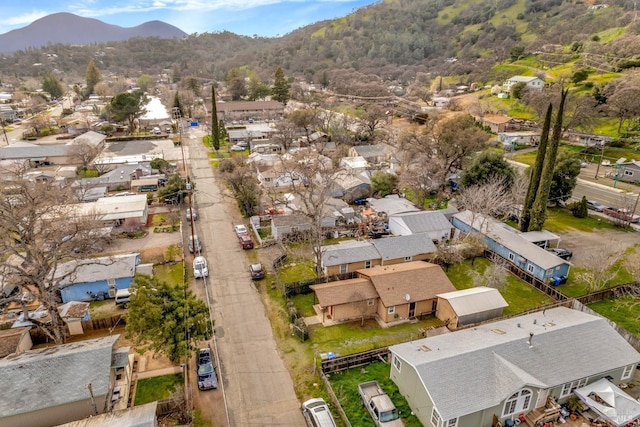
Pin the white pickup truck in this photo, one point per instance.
(379, 405)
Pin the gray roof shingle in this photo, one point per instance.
(53, 376)
(348, 251)
(404, 246)
(473, 369)
(424, 221)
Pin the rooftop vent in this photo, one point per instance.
(424, 348)
(499, 331)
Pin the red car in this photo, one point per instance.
(245, 241)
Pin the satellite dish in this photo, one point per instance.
(407, 297)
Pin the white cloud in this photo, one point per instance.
(24, 19)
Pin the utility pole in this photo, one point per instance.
(600, 162)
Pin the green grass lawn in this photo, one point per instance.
(157, 388)
(296, 271)
(304, 304)
(519, 295)
(345, 385)
(349, 338)
(625, 311)
(172, 274)
(560, 220)
(575, 287)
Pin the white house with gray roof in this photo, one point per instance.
(433, 223)
(509, 367)
(56, 385)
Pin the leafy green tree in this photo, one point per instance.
(127, 107)
(215, 124)
(258, 89)
(384, 183)
(174, 188)
(579, 76)
(516, 52)
(484, 167)
(144, 82)
(168, 319)
(565, 177)
(280, 90)
(52, 85)
(177, 103)
(518, 89)
(92, 76)
(539, 208)
(580, 209)
(160, 164)
(536, 172)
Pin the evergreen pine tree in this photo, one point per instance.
(178, 104)
(215, 129)
(539, 208)
(534, 179)
(280, 90)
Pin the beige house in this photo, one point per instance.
(390, 294)
(470, 306)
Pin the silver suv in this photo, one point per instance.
(194, 244)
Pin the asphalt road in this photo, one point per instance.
(257, 387)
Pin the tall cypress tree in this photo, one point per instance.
(215, 126)
(534, 180)
(539, 208)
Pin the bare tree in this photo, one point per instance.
(601, 266)
(373, 118)
(286, 133)
(494, 276)
(83, 153)
(361, 305)
(492, 199)
(42, 230)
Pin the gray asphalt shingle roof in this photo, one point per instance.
(404, 246)
(53, 376)
(97, 269)
(474, 369)
(347, 252)
(424, 221)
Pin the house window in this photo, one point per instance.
(452, 423)
(408, 258)
(626, 374)
(512, 257)
(568, 388)
(530, 268)
(391, 309)
(435, 418)
(397, 363)
(343, 268)
(628, 173)
(367, 264)
(111, 282)
(370, 303)
(517, 402)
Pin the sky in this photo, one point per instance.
(266, 18)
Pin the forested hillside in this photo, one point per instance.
(393, 39)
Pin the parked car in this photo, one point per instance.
(190, 212)
(622, 214)
(200, 268)
(194, 244)
(157, 130)
(237, 148)
(123, 297)
(256, 270)
(562, 253)
(595, 206)
(241, 229)
(207, 378)
(245, 241)
(317, 414)
(244, 144)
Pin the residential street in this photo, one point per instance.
(259, 390)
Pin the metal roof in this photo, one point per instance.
(474, 300)
(511, 239)
(392, 205)
(477, 368)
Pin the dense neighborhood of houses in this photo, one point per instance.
(385, 265)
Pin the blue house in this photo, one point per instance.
(82, 280)
(511, 245)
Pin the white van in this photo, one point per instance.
(317, 414)
(123, 296)
(194, 244)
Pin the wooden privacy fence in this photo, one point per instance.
(106, 323)
(632, 288)
(354, 360)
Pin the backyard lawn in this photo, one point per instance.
(519, 295)
(157, 388)
(625, 311)
(170, 273)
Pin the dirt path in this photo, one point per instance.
(581, 242)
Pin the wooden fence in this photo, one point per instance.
(632, 288)
(106, 323)
(354, 360)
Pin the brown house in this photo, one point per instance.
(402, 291)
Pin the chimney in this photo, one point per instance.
(530, 339)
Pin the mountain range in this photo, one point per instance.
(67, 28)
